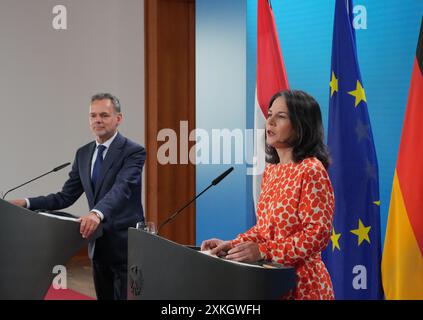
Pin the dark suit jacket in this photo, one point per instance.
(117, 195)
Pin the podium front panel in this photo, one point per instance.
(161, 269)
(31, 245)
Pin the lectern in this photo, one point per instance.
(31, 245)
(161, 269)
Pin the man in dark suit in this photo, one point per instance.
(109, 171)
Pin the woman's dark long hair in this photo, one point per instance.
(306, 121)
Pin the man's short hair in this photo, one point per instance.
(112, 98)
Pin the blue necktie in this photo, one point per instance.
(97, 165)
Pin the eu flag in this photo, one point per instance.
(353, 254)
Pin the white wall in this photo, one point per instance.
(47, 77)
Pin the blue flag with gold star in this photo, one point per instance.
(354, 253)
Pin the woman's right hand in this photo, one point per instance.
(210, 244)
(216, 246)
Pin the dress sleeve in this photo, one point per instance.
(250, 235)
(315, 212)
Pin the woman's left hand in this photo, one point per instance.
(244, 252)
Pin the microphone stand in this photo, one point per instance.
(174, 215)
(54, 170)
(214, 182)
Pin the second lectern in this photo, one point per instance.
(162, 269)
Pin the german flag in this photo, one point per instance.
(402, 262)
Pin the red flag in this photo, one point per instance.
(271, 78)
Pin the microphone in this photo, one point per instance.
(222, 176)
(214, 182)
(54, 170)
(61, 167)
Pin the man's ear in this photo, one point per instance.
(119, 118)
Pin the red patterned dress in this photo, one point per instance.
(294, 223)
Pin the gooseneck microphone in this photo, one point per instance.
(54, 170)
(221, 177)
(214, 182)
(60, 167)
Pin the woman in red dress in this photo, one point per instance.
(296, 203)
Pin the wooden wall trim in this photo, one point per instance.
(151, 108)
(170, 98)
